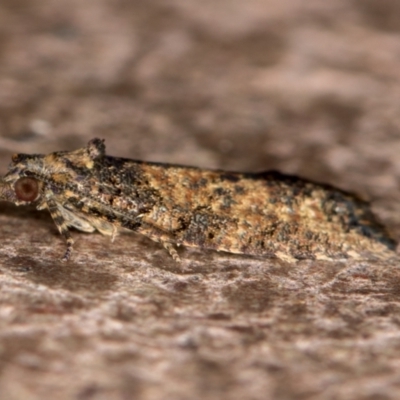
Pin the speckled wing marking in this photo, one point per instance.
(264, 214)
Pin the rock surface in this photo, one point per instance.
(310, 88)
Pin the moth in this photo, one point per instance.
(265, 214)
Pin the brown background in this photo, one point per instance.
(308, 87)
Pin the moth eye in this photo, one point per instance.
(26, 189)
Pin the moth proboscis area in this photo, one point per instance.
(266, 214)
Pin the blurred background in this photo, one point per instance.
(311, 88)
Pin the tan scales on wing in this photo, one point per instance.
(267, 214)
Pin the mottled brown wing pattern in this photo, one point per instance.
(264, 214)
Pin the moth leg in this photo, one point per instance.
(161, 236)
(171, 250)
(88, 223)
(114, 233)
(76, 221)
(104, 227)
(61, 225)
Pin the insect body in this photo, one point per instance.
(263, 214)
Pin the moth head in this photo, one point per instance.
(20, 185)
(23, 190)
(31, 175)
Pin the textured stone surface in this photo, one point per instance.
(311, 88)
